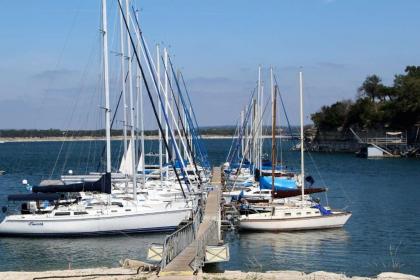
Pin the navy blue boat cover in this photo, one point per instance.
(103, 185)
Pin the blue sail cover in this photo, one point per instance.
(236, 165)
(178, 163)
(280, 183)
(266, 164)
(266, 168)
(323, 211)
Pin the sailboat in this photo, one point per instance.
(253, 182)
(46, 213)
(301, 214)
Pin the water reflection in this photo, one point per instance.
(285, 250)
(56, 253)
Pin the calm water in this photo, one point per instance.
(382, 235)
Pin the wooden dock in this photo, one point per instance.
(216, 178)
(192, 257)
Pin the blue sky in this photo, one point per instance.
(50, 53)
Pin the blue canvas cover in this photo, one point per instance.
(178, 163)
(236, 165)
(323, 211)
(280, 183)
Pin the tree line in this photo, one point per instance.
(44, 133)
(377, 106)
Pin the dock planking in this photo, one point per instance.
(216, 178)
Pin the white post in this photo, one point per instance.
(106, 87)
(132, 124)
(302, 156)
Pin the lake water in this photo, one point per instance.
(382, 235)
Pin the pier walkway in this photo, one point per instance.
(191, 258)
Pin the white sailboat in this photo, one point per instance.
(301, 214)
(96, 214)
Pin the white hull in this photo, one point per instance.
(271, 223)
(42, 225)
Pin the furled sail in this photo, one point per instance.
(140, 167)
(126, 165)
(296, 192)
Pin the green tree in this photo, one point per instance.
(332, 117)
(406, 106)
(377, 106)
(372, 87)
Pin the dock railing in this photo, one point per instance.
(387, 141)
(201, 243)
(180, 239)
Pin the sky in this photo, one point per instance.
(50, 54)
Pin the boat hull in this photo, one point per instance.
(336, 220)
(23, 225)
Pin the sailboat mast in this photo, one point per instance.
(123, 84)
(242, 136)
(273, 136)
(143, 152)
(254, 157)
(257, 128)
(186, 131)
(132, 124)
(261, 126)
(166, 89)
(160, 113)
(247, 132)
(302, 156)
(141, 118)
(106, 87)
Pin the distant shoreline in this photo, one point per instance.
(89, 138)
